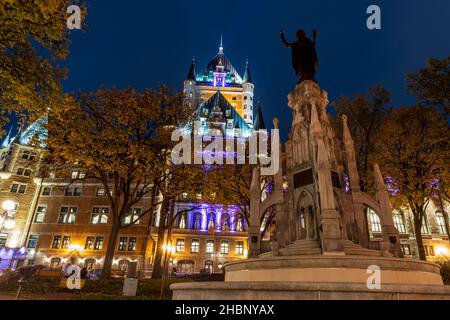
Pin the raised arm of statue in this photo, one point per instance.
(285, 42)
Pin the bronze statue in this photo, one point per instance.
(304, 55)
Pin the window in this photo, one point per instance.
(32, 241)
(239, 226)
(40, 214)
(18, 188)
(89, 243)
(374, 221)
(209, 246)
(101, 192)
(406, 249)
(66, 242)
(224, 247)
(399, 222)
(429, 251)
(425, 229)
(195, 246)
(3, 239)
(132, 244)
(132, 216)
(24, 172)
(123, 244)
(209, 265)
(47, 191)
(440, 222)
(67, 215)
(98, 243)
(123, 265)
(28, 155)
(56, 242)
(240, 247)
(99, 215)
(182, 224)
(73, 192)
(55, 262)
(180, 246)
(77, 175)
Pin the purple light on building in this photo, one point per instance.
(347, 188)
(392, 186)
(204, 220)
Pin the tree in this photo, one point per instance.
(33, 36)
(366, 115)
(413, 149)
(119, 138)
(431, 85)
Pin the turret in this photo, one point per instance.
(190, 83)
(248, 95)
(351, 156)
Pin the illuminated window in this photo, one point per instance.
(195, 246)
(89, 243)
(132, 217)
(374, 221)
(182, 224)
(180, 246)
(98, 243)
(209, 265)
(67, 215)
(56, 242)
(209, 246)
(55, 262)
(224, 247)
(66, 242)
(132, 244)
(99, 215)
(123, 244)
(399, 222)
(240, 247)
(425, 229)
(40, 214)
(429, 251)
(406, 249)
(440, 222)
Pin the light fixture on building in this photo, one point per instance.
(10, 224)
(8, 205)
(441, 251)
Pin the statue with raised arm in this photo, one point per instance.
(304, 55)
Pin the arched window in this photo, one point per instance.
(209, 265)
(425, 228)
(440, 222)
(55, 262)
(374, 221)
(182, 224)
(197, 225)
(239, 226)
(89, 264)
(123, 265)
(399, 221)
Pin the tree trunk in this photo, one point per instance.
(157, 261)
(109, 256)
(418, 233)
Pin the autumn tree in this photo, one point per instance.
(366, 115)
(413, 149)
(431, 85)
(119, 138)
(33, 39)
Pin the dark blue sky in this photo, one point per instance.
(140, 43)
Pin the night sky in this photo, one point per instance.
(141, 43)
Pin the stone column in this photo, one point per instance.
(254, 228)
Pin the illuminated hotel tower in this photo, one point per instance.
(222, 97)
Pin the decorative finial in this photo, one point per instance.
(275, 123)
(221, 45)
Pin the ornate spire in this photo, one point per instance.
(191, 74)
(221, 45)
(247, 75)
(259, 119)
(7, 139)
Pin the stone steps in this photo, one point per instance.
(353, 249)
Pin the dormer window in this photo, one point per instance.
(219, 79)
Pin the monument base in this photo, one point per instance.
(320, 277)
(258, 291)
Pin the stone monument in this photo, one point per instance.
(321, 247)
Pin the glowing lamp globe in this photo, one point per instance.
(10, 224)
(8, 205)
